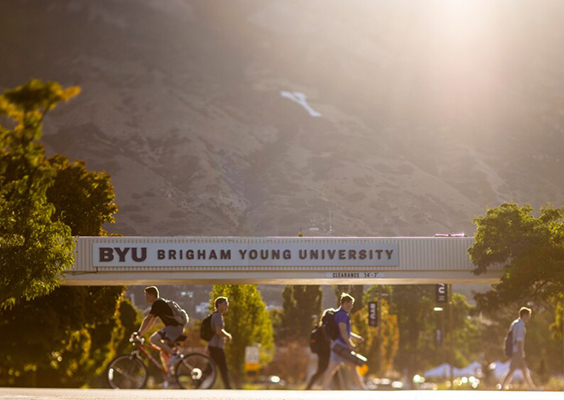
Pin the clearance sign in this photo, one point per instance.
(240, 252)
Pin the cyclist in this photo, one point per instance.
(164, 338)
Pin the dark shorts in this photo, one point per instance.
(517, 362)
(171, 333)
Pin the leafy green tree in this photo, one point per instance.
(543, 350)
(530, 249)
(34, 248)
(61, 339)
(389, 331)
(73, 331)
(130, 318)
(276, 321)
(417, 320)
(248, 321)
(301, 308)
(84, 200)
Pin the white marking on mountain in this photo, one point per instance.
(300, 98)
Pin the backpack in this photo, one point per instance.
(317, 340)
(508, 350)
(206, 331)
(178, 312)
(329, 325)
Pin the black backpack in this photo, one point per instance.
(317, 340)
(206, 331)
(330, 327)
(509, 343)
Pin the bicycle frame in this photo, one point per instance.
(142, 347)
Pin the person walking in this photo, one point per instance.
(323, 354)
(518, 354)
(164, 338)
(344, 338)
(216, 345)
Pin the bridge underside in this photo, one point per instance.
(277, 278)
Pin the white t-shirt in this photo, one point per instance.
(518, 328)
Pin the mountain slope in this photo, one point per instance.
(428, 113)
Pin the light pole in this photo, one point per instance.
(379, 329)
(380, 341)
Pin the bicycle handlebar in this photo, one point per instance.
(136, 338)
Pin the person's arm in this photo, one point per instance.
(519, 335)
(357, 337)
(222, 333)
(344, 335)
(520, 349)
(147, 323)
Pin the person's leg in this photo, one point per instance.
(333, 366)
(157, 339)
(359, 381)
(507, 378)
(527, 376)
(218, 355)
(322, 364)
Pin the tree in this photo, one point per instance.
(249, 323)
(417, 320)
(73, 331)
(389, 331)
(61, 339)
(34, 248)
(301, 305)
(530, 250)
(84, 200)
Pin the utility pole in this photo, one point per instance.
(451, 329)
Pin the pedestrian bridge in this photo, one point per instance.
(274, 260)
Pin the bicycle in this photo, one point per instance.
(191, 371)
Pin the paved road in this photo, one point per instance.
(102, 394)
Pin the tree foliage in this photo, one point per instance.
(84, 200)
(387, 330)
(530, 249)
(61, 339)
(249, 323)
(301, 309)
(66, 337)
(417, 320)
(34, 247)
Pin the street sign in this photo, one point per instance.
(373, 313)
(441, 293)
(252, 357)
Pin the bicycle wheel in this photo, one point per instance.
(127, 372)
(196, 371)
